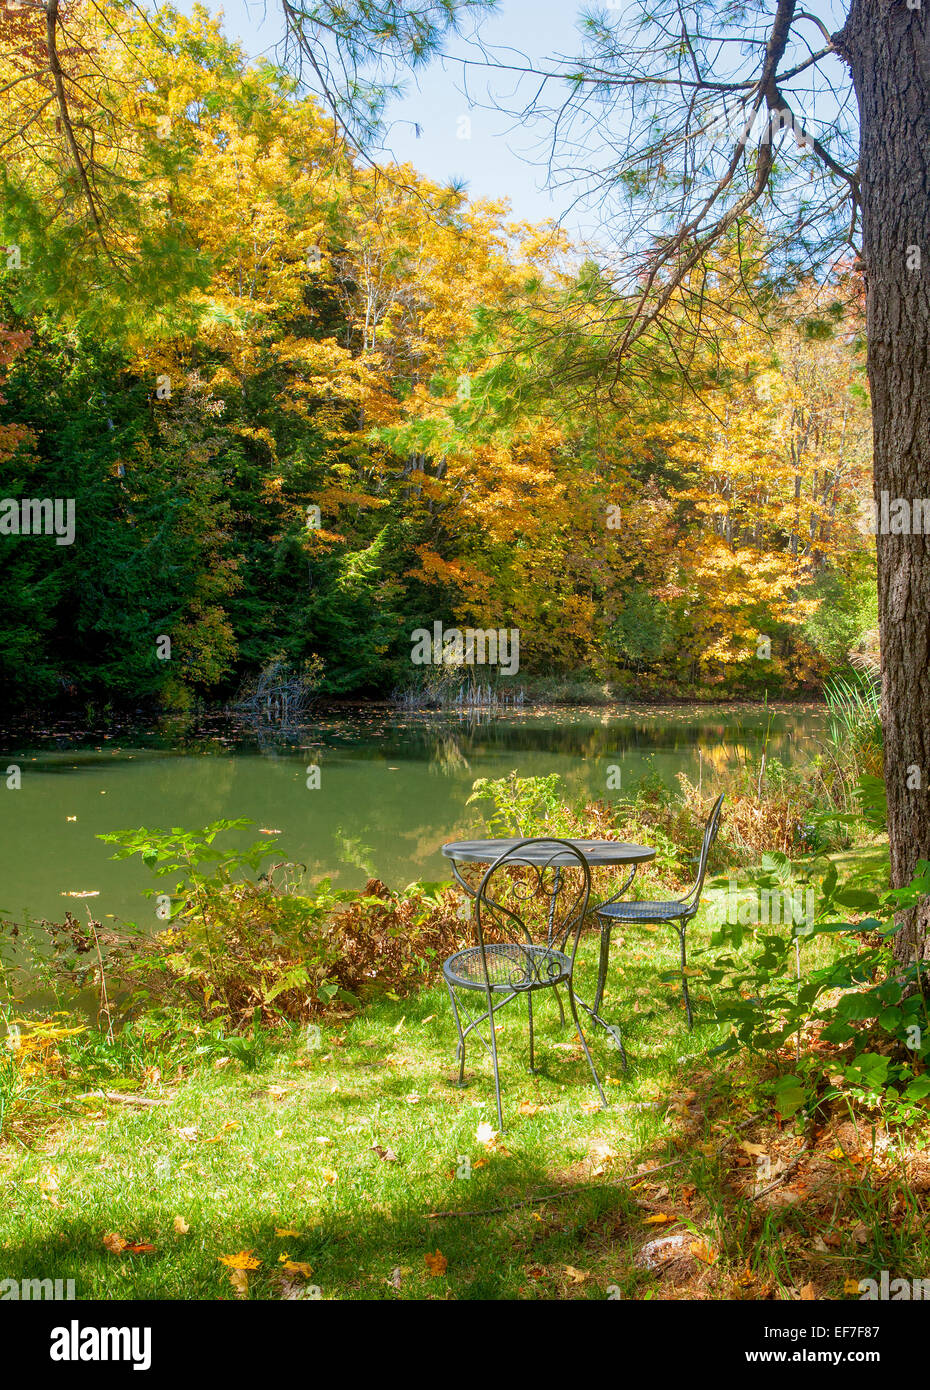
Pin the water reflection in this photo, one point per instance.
(392, 788)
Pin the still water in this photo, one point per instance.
(392, 788)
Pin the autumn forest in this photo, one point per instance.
(305, 403)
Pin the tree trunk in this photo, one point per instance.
(887, 46)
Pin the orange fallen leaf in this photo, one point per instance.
(658, 1217)
(140, 1248)
(244, 1260)
(436, 1264)
(577, 1276)
(808, 1293)
(115, 1243)
(704, 1252)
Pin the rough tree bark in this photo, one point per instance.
(887, 46)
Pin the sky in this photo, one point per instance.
(433, 127)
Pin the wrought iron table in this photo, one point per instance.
(597, 854)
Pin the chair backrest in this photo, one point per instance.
(710, 835)
(543, 903)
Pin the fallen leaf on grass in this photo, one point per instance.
(283, 1231)
(658, 1217)
(436, 1264)
(577, 1276)
(244, 1260)
(529, 1107)
(703, 1252)
(181, 1226)
(808, 1293)
(115, 1243)
(240, 1282)
(386, 1155)
(329, 1175)
(297, 1267)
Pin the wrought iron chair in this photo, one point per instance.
(680, 911)
(513, 958)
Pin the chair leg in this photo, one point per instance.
(460, 1049)
(529, 1005)
(558, 1000)
(602, 964)
(574, 1008)
(497, 1079)
(684, 978)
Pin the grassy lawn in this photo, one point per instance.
(361, 1161)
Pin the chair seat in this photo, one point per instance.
(510, 966)
(645, 912)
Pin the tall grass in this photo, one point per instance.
(854, 734)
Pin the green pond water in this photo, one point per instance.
(392, 789)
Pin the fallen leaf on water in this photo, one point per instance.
(244, 1260)
(115, 1243)
(436, 1264)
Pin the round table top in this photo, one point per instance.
(594, 851)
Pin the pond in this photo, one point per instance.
(391, 788)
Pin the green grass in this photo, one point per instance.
(291, 1145)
